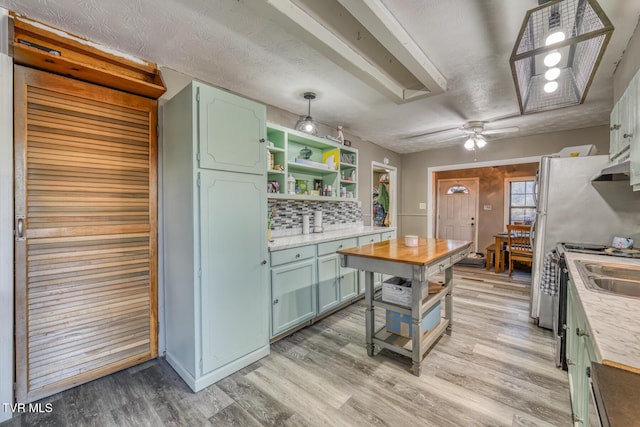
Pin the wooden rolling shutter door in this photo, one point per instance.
(85, 163)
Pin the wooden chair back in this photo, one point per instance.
(519, 244)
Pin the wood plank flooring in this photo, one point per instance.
(496, 369)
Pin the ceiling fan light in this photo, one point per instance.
(552, 59)
(552, 73)
(481, 142)
(550, 87)
(555, 37)
(469, 144)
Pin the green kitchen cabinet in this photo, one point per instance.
(215, 249)
(232, 131)
(328, 282)
(348, 283)
(580, 353)
(293, 294)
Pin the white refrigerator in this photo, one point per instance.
(572, 208)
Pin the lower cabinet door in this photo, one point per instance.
(234, 290)
(293, 296)
(328, 282)
(348, 283)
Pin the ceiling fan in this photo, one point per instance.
(473, 130)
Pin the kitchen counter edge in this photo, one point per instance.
(286, 242)
(613, 320)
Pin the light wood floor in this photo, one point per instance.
(495, 370)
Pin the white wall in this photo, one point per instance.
(6, 219)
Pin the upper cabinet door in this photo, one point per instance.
(232, 132)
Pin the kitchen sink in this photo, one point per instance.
(617, 286)
(611, 278)
(615, 271)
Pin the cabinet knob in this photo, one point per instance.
(581, 332)
(262, 140)
(275, 301)
(297, 255)
(615, 127)
(264, 261)
(570, 362)
(577, 419)
(627, 135)
(339, 246)
(588, 371)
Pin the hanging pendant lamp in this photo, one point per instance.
(557, 53)
(306, 124)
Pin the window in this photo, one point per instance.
(458, 189)
(520, 203)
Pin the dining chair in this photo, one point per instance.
(519, 245)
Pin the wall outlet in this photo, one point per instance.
(422, 206)
(487, 207)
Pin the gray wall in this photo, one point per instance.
(413, 220)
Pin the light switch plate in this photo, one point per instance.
(422, 206)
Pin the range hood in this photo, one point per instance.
(619, 172)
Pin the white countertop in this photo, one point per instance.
(614, 321)
(285, 242)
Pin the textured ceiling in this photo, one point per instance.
(240, 46)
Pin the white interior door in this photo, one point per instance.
(457, 206)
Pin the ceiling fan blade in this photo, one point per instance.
(501, 130)
(429, 134)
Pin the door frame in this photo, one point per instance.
(6, 217)
(476, 210)
(431, 185)
(393, 201)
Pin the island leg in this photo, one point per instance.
(416, 324)
(369, 315)
(448, 299)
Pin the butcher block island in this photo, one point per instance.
(416, 264)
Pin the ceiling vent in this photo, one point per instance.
(364, 38)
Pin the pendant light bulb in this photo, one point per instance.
(552, 59)
(307, 124)
(480, 141)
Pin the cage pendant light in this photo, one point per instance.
(306, 124)
(557, 53)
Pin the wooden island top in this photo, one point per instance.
(428, 250)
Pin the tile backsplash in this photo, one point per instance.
(288, 213)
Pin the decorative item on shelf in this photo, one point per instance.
(306, 123)
(301, 186)
(270, 144)
(353, 175)
(271, 161)
(557, 53)
(340, 136)
(318, 184)
(330, 158)
(343, 191)
(273, 187)
(347, 143)
(291, 184)
(305, 153)
(278, 167)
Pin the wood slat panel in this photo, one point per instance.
(86, 292)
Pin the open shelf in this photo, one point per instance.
(403, 345)
(301, 167)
